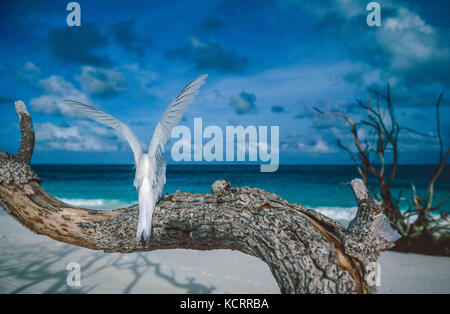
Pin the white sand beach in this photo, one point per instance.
(30, 263)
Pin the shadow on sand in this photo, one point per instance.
(40, 269)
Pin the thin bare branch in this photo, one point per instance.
(362, 154)
(430, 189)
(363, 173)
(417, 132)
(441, 203)
(380, 145)
(438, 126)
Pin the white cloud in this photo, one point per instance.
(405, 49)
(84, 135)
(410, 41)
(315, 144)
(49, 132)
(144, 78)
(319, 147)
(101, 82)
(243, 102)
(79, 138)
(56, 89)
(28, 72)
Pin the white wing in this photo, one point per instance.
(151, 172)
(169, 120)
(173, 114)
(112, 122)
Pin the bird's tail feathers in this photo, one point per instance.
(146, 206)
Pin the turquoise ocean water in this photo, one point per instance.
(324, 188)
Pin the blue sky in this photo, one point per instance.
(269, 63)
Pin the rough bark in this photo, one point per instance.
(305, 251)
(26, 127)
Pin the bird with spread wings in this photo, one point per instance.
(150, 174)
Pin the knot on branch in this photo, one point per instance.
(368, 234)
(220, 186)
(14, 171)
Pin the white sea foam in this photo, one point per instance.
(96, 203)
(342, 214)
(345, 214)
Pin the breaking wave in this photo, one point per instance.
(97, 203)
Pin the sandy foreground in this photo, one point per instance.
(30, 263)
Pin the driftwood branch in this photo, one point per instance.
(425, 234)
(305, 251)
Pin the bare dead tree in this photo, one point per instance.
(387, 130)
(305, 251)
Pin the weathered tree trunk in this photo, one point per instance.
(305, 251)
